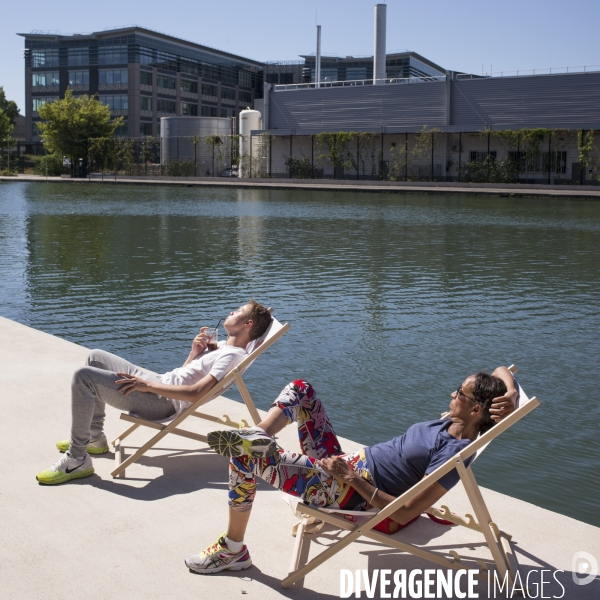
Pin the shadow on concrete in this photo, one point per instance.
(183, 472)
(255, 574)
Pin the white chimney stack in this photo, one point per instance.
(318, 59)
(379, 46)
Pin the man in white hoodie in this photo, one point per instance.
(109, 379)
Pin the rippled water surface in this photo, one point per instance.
(393, 300)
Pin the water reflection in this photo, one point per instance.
(393, 300)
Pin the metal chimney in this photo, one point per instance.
(318, 57)
(379, 45)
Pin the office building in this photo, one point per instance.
(140, 74)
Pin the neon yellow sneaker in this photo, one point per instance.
(97, 446)
(65, 469)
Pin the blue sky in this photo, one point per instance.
(463, 35)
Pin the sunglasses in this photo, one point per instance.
(459, 392)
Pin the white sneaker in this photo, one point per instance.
(252, 441)
(218, 557)
(65, 469)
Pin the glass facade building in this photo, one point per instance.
(140, 74)
(398, 66)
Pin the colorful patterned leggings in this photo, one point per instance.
(296, 473)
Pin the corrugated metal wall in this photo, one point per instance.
(359, 108)
(543, 101)
(552, 101)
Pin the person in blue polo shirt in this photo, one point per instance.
(323, 475)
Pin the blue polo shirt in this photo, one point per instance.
(399, 464)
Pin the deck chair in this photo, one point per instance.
(255, 349)
(496, 540)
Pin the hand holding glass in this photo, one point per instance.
(211, 334)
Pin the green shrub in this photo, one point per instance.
(53, 161)
(299, 168)
(7, 173)
(491, 170)
(181, 168)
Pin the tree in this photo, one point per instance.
(338, 153)
(6, 126)
(69, 123)
(9, 107)
(214, 142)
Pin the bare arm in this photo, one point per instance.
(504, 405)
(199, 345)
(189, 393)
(338, 468)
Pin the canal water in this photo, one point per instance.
(393, 299)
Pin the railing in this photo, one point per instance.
(530, 72)
(354, 82)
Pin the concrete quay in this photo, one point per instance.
(341, 185)
(127, 538)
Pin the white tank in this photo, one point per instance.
(250, 120)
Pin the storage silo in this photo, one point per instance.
(250, 120)
(177, 141)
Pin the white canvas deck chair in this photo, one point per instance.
(255, 349)
(496, 540)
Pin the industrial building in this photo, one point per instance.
(403, 117)
(465, 114)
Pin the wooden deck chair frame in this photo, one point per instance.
(273, 333)
(496, 540)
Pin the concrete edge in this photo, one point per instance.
(507, 190)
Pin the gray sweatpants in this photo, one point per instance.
(93, 387)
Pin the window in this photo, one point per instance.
(45, 79)
(115, 102)
(189, 109)
(145, 128)
(245, 79)
(186, 66)
(273, 78)
(164, 81)
(189, 86)
(209, 111)
(37, 102)
(112, 55)
(245, 97)
(227, 93)
(79, 77)
(122, 130)
(527, 163)
(558, 162)
(227, 112)
(286, 78)
(165, 60)
(78, 56)
(35, 132)
(146, 56)
(44, 58)
(210, 72)
(113, 76)
(355, 73)
(209, 90)
(167, 106)
(481, 156)
(145, 103)
(145, 78)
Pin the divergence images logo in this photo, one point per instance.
(584, 564)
